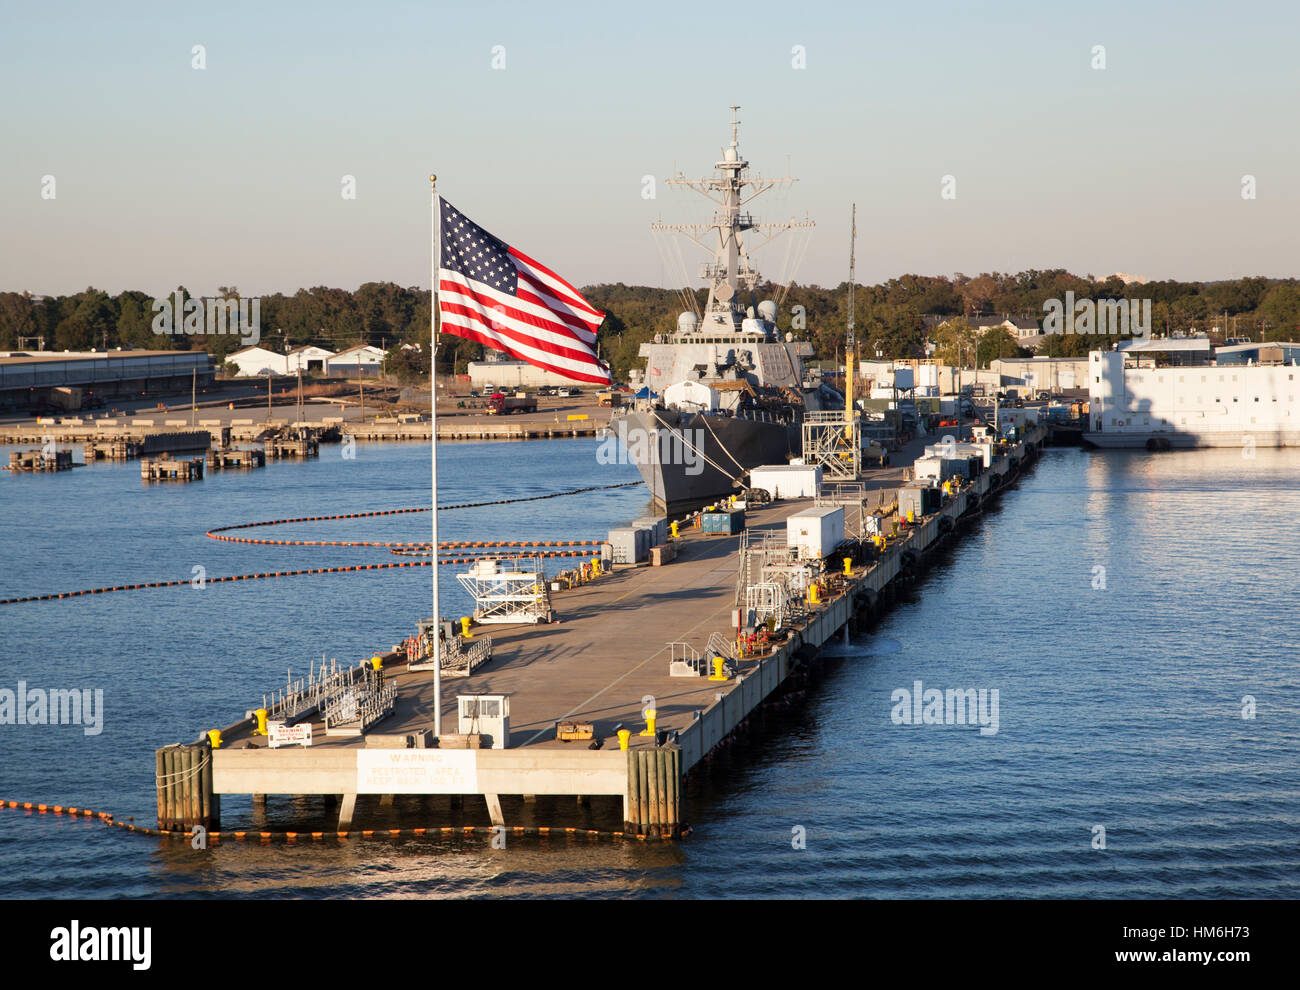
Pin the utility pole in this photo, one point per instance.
(268, 396)
(194, 393)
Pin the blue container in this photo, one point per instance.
(723, 523)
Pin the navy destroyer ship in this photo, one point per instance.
(727, 391)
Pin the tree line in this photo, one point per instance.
(890, 317)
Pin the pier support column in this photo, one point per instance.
(494, 809)
(846, 634)
(347, 810)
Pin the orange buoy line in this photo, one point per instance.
(404, 549)
(299, 573)
(213, 533)
(243, 835)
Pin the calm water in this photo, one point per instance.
(1120, 706)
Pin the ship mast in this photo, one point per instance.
(850, 341)
(732, 188)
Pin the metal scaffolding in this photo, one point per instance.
(860, 520)
(514, 595)
(830, 442)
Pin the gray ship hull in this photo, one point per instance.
(688, 459)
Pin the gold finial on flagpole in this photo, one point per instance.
(433, 180)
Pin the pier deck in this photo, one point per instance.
(608, 651)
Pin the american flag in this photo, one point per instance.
(497, 295)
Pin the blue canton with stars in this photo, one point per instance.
(470, 250)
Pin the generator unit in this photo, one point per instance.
(630, 544)
(920, 498)
(658, 526)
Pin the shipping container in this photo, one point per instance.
(787, 480)
(723, 523)
(816, 532)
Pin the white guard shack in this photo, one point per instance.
(788, 480)
(816, 532)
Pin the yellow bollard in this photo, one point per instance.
(649, 729)
(911, 516)
(848, 566)
(812, 593)
(674, 529)
(464, 627)
(595, 567)
(717, 674)
(261, 722)
(214, 737)
(623, 736)
(376, 662)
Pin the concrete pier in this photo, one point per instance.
(605, 662)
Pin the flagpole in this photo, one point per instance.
(433, 446)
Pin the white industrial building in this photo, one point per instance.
(258, 361)
(1053, 374)
(362, 360)
(308, 359)
(508, 373)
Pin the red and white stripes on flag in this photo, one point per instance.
(500, 297)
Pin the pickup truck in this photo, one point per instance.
(505, 405)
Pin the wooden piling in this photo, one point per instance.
(633, 805)
(654, 801)
(184, 788)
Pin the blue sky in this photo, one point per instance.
(231, 175)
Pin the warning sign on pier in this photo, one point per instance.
(417, 771)
(288, 735)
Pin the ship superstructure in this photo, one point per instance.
(728, 388)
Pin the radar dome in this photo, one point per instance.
(767, 310)
(687, 322)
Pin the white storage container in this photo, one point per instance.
(787, 480)
(816, 532)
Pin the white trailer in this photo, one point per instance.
(816, 532)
